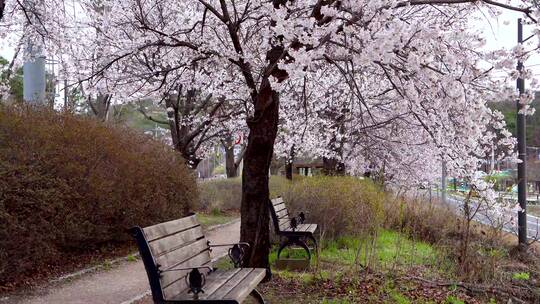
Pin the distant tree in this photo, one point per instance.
(12, 81)
(508, 109)
(232, 161)
(195, 120)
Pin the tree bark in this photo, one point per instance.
(2, 7)
(230, 169)
(231, 162)
(255, 218)
(100, 107)
(289, 165)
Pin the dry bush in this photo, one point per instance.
(424, 220)
(220, 194)
(226, 194)
(69, 184)
(339, 205)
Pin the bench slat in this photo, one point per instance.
(282, 214)
(223, 280)
(242, 290)
(174, 282)
(304, 228)
(217, 280)
(284, 224)
(213, 281)
(164, 229)
(183, 254)
(277, 201)
(230, 284)
(279, 206)
(173, 242)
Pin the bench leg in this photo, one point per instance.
(282, 246)
(294, 241)
(255, 294)
(312, 238)
(316, 247)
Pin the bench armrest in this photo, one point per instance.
(236, 252)
(228, 245)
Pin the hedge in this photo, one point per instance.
(70, 184)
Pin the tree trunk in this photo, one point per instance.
(230, 165)
(100, 107)
(289, 165)
(255, 218)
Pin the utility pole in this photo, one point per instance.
(34, 66)
(522, 151)
(34, 75)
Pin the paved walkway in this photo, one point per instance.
(125, 283)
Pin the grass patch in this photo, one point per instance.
(391, 248)
(215, 218)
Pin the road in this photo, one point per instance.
(533, 222)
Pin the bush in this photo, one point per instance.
(431, 222)
(339, 205)
(226, 194)
(220, 194)
(69, 183)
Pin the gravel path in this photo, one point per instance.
(124, 283)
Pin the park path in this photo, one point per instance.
(124, 283)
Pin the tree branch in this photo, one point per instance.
(159, 121)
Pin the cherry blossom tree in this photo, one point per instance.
(196, 122)
(385, 86)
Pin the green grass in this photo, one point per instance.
(215, 218)
(523, 276)
(390, 248)
(398, 298)
(453, 300)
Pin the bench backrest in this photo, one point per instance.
(280, 214)
(171, 245)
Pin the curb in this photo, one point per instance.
(94, 268)
(215, 227)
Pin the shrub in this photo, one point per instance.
(339, 205)
(220, 194)
(427, 221)
(69, 183)
(226, 194)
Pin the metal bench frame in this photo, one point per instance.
(291, 236)
(154, 273)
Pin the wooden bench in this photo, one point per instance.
(293, 229)
(176, 256)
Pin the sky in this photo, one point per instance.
(501, 32)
